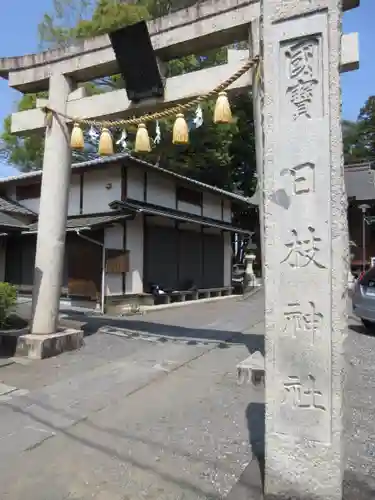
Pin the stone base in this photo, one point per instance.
(45, 346)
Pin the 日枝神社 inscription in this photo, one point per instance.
(303, 178)
(304, 243)
(300, 319)
(304, 407)
(303, 251)
(304, 395)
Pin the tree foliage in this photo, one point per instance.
(353, 150)
(359, 136)
(219, 155)
(24, 152)
(366, 126)
(57, 28)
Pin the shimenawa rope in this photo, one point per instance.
(180, 108)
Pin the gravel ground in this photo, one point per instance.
(359, 415)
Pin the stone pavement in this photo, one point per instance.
(151, 409)
(154, 416)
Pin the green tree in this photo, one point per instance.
(359, 136)
(57, 28)
(366, 128)
(23, 152)
(353, 145)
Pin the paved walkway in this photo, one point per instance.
(150, 408)
(153, 416)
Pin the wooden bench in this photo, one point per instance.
(183, 295)
(176, 296)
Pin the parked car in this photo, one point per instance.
(363, 298)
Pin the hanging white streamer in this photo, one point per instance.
(93, 134)
(123, 140)
(198, 119)
(157, 134)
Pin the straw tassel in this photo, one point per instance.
(142, 140)
(222, 112)
(77, 141)
(105, 143)
(180, 130)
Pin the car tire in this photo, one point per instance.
(369, 325)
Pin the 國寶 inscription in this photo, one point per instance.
(303, 178)
(303, 251)
(302, 73)
(299, 319)
(303, 395)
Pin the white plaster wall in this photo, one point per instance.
(227, 212)
(134, 243)
(96, 196)
(188, 207)
(31, 204)
(74, 195)
(113, 238)
(360, 182)
(135, 183)
(227, 259)
(211, 206)
(161, 191)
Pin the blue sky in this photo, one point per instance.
(18, 35)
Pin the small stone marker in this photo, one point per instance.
(251, 369)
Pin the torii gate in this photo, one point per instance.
(303, 204)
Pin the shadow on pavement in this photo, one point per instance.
(123, 457)
(251, 482)
(163, 333)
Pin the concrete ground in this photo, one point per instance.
(157, 413)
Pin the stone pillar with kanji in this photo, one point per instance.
(305, 250)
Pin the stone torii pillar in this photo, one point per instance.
(305, 251)
(49, 260)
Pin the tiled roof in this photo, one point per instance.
(86, 222)
(9, 222)
(125, 156)
(148, 208)
(10, 206)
